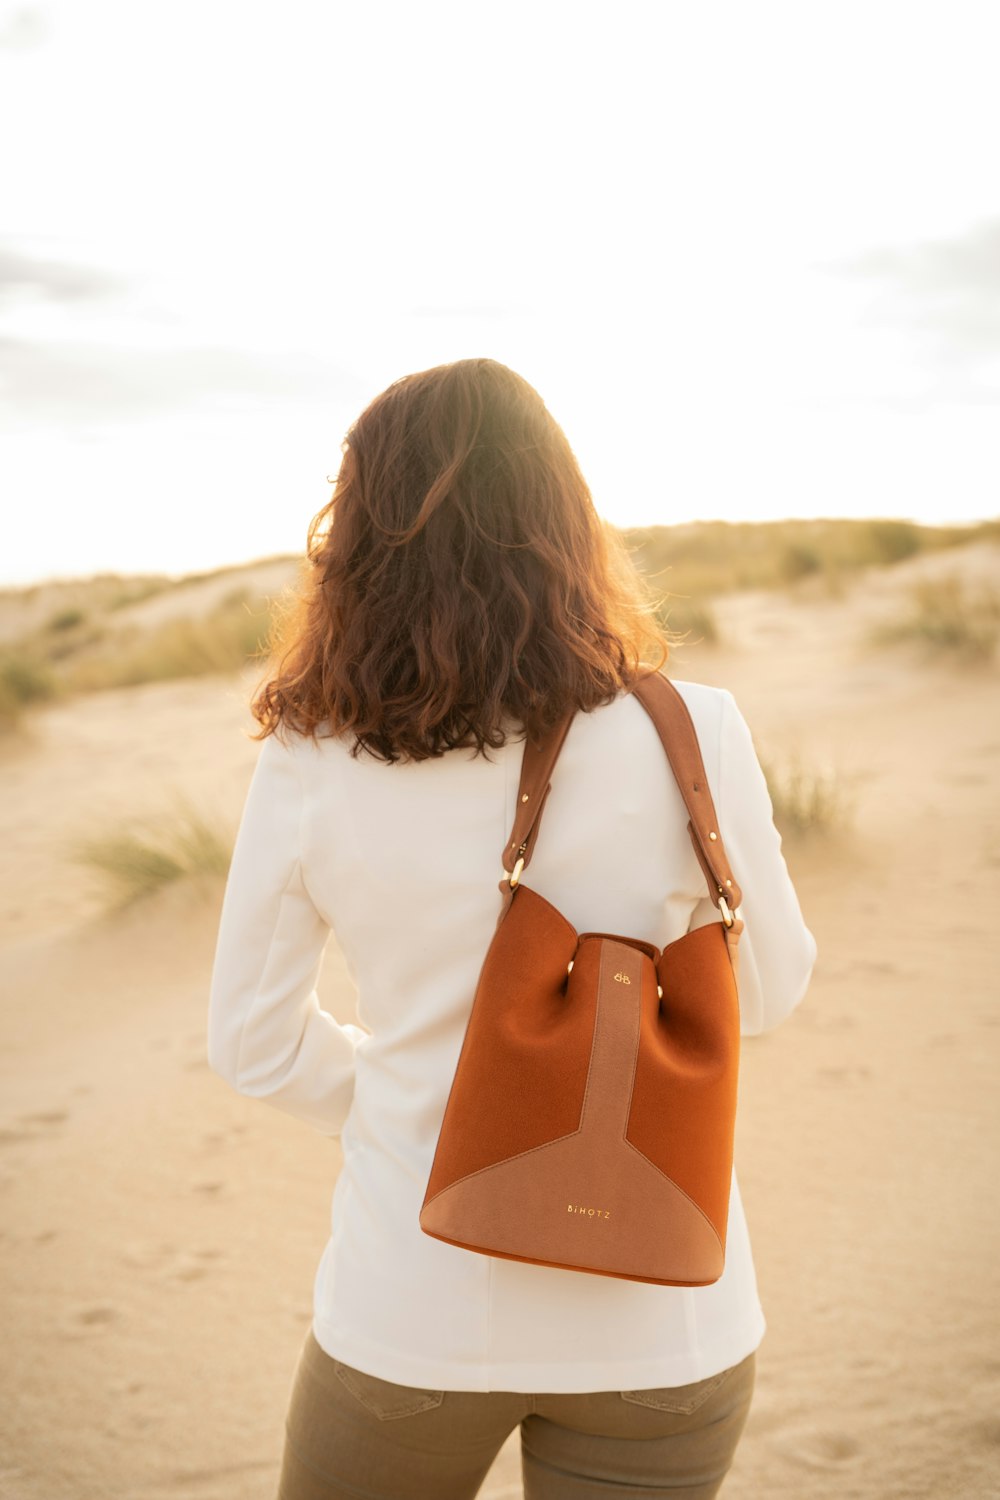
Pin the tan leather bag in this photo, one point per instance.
(590, 1120)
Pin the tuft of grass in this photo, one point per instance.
(679, 615)
(145, 855)
(135, 590)
(66, 619)
(234, 633)
(947, 614)
(806, 800)
(798, 559)
(24, 681)
(887, 541)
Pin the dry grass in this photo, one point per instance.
(808, 800)
(682, 617)
(709, 558)
(145, 855)
(25, 680)
(224, 640)
(85, 635)
(948, 615)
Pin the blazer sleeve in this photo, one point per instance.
(777, 951)
(268, 1036)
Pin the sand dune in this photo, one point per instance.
(154, 1305)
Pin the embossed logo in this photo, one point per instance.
(622, 978)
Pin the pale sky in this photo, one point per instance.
(749, 254)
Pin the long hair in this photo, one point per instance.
(459, 575)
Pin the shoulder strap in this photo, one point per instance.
(673, 722)
(668, 711)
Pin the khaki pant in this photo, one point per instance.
(352, 1436)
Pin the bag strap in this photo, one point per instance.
(670, 714)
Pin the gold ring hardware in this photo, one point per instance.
(659, 991)
(569, 966)
(727, 915)
(515, 874)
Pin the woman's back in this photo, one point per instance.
(403, 862)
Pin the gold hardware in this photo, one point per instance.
(621, 978)
(727, 915)
(515, 874)
(659, 990)
(713, 835)
(569, 967)
(729, 882)
(525, 797)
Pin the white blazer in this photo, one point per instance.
(402, 864)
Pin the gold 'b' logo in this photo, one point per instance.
(622, 978)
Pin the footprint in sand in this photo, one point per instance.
(32, 1127)
(168, 1262)
(97, 1316)
(192, 1265)
(215, 1140)
(986, 1432)
(188, 1269)
(820, 1450)
(147, 1255)
(209, 1189)
(849, 1073)
(833, 1023)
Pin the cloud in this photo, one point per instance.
(950, 287)
(23, 29)
(55, 281)
(83, 383)
(81, 376)
(472, 310)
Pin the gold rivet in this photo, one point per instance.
(729, 882)
(569, 968)
(525, 797)
(713, 835)
(659, 990)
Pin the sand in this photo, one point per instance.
(154, 1303)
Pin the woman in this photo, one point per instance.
(461, 593)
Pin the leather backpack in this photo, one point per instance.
(590, 1121)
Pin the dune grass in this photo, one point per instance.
(223, 640)
(682, 617)
(807, 800)
(26, 679)
(708, 558)
(144, 855)
(947, 616)
(88, 642)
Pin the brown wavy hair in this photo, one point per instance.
(459, 574)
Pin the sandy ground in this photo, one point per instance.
(153, 1303)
